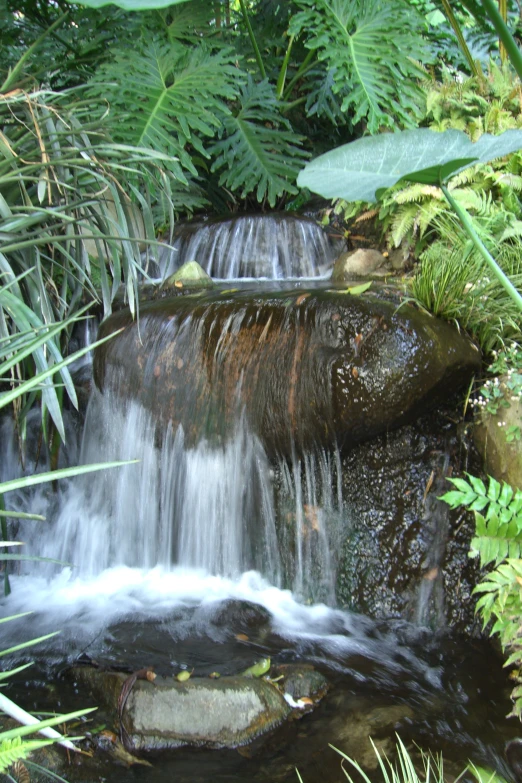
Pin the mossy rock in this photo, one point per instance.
(190, 275)
(502, 459)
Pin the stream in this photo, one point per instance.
(261, 521)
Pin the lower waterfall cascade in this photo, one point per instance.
(339, 554)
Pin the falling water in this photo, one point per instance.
(203, 507)
(204, 520)
(253, 246)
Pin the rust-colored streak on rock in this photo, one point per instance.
(294, 380)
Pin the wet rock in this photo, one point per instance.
(303, 686)
(216, 713)
(403, 552)
(363, 262)
(306, 368)
(241, 616)
(502, 460)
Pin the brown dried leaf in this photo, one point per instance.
(21, 772)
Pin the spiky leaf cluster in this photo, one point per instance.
(375, 48)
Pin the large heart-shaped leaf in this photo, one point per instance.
(360, 170)
(131, 5)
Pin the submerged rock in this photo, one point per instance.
(306, 368)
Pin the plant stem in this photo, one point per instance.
(470, 229)
(303, 69)
(253, 41)
(15, 73)
(452, 19)
(505, 36)
(284, 68)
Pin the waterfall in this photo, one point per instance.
(253, 246)
(205, 507)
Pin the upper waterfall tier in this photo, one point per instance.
(276, 247)
(307, 368)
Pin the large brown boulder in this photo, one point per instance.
(306, 367)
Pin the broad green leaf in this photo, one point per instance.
(131, 5)
(356, 290)
(258, 669)
(381, 90)
(360, 170)
(258, 151)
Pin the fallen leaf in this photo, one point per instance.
(355, 372)
(431, 575)
(241, 637)
(184, 675)
(214, 675)
(258, 669)
(178, 284)
(358, 289)
(301, 299)
(429, 485)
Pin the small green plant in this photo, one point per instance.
(497, 540)
(405, 770)
(500, 392)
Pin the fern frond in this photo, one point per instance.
(429, 212)
(375, 48)
(12, 750)
(507, 180)
(479, 202)
(417, 192)
(167, 96)
(403, 222)
(259, 150)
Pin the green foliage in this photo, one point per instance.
(13, 745)
(452, 280)
(403, 770)
(497, 540)
(15, 749)
(167, 96)
(346, 34)
(408, 213)
(61, 201)
(497, 393)
(259, 150)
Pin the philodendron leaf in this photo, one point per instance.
(359, 171)
(132, 5)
